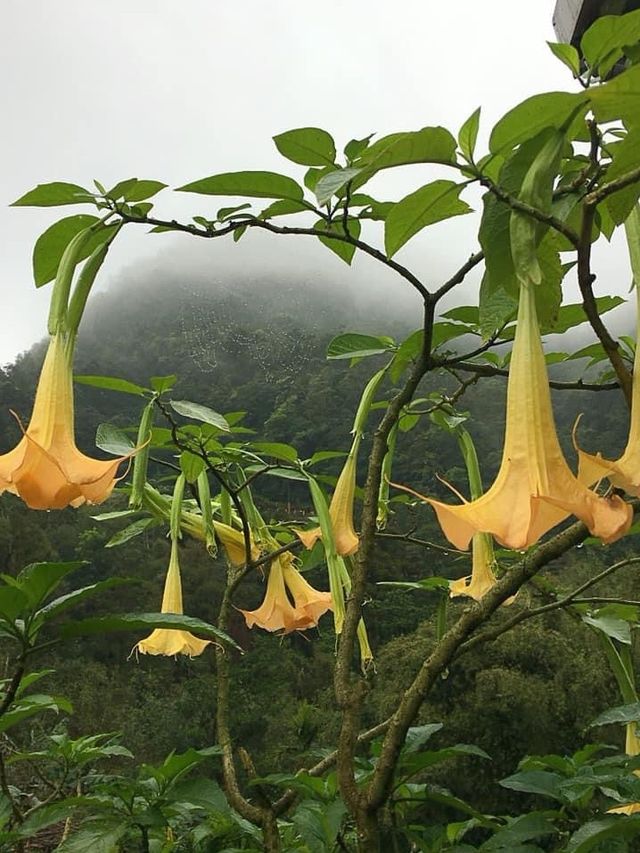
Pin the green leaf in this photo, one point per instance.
(112, 383)
(535, 782)
(618, 99)
(13, 603)
(620, 714)
(331, 183)
(519, 830)
(64, 602)
(355, 345)
(51, 244)
(308, 146)
(131, 531)
(50, 195)
(113, 440)
(191, 465)
(200, 413)
(615, 628)
(567, 54)
(160, 384)
(551, 109)
(144, 622)
(594, 833)
(626, 158)
(101, 836)
(429, 145)
(608, 35)
(341, 248)
(468, 135)
(426, 583)
(251, 184)
(38, 580)
(283, 207)
(276, 449)
(355, 147)
(431, 203)
(29, 706)
(134, 189)
(573, 315)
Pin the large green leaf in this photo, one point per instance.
(606, 37)
(573, 315)
(13, 603)
(53, 194)
(341, 248)
(64, 602)
(308, 146)
(621, 714)
(519, 830)
(469, 134)
(131, 531)
(250, 184)
(594, 833)
(551, 109)
(618, 99)
(429, 145)
(567, 54)
(29, 706)
(626, 158)
(112, 383)
(38, 580)
(331, 183)
(144, 622)
(540, 782)
(133, 190)
(200, 413)
(113, 440)
(431, 203)
(355, 345)
(51, 244)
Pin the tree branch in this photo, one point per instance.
(578, 385)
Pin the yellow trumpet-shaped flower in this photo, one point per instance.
(535, 489)
(277, 613)
(625, 471)
(340, 511)
(172, 641)
(46, 469)
(482, 576)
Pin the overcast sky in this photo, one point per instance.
(178, 91)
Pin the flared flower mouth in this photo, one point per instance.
(534, 490)
(172, 641)
(340, 511)
(46, 469)
(277, 613)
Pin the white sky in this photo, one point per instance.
(176, 91)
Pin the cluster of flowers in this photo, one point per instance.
(533, 492)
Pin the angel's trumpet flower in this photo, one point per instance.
(482, 576)
(172, 641)
(277, 613)
(46, 469)
(624, 472)
(535, 489)
(340, 510)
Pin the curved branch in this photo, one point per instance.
(578, 385)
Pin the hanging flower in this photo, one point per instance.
(311, 601)
(232, 540)
(535, 489)
(340, 511)
(172, 641)
(624, 473)
(482, 576)
(46, 469)
(277, 613)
